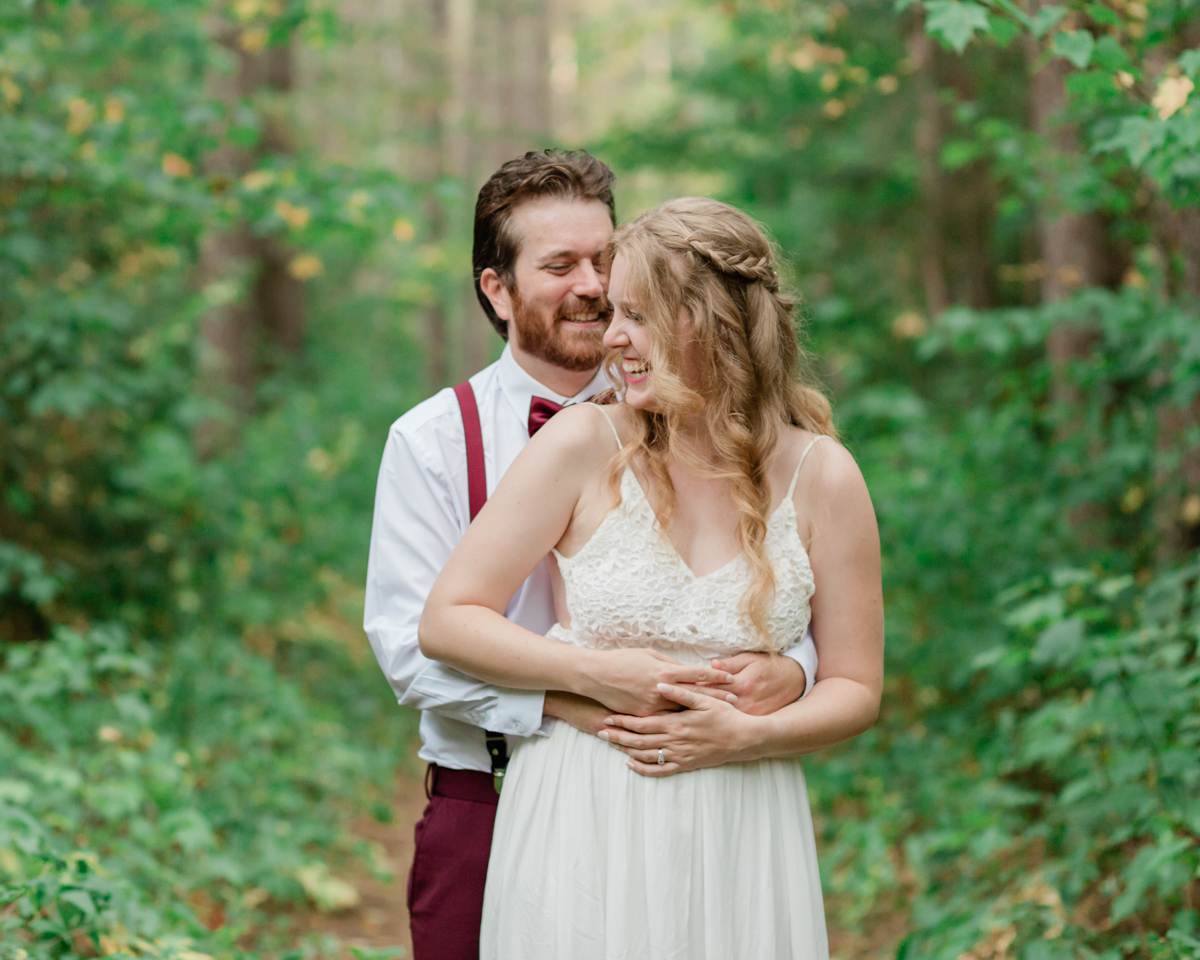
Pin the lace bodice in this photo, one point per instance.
(629, 587)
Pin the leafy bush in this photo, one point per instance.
(188, 717)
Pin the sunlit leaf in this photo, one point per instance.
(955, 21)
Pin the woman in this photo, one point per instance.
(708, 512)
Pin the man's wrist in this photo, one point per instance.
(555, 704)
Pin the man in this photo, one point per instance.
(542, 224)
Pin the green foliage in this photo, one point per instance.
(188, 715)
(1030, 790)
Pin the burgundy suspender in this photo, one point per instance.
(497, 746)
(476, 468)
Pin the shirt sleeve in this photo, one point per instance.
(805, 654)
(416, 526)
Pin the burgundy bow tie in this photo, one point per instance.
(541, 410)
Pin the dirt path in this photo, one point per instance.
(381, 918)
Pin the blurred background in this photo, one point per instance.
(234, 246)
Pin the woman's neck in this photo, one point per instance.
(694, 440)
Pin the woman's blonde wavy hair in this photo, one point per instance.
(713, 262)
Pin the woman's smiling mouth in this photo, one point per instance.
(636, 370)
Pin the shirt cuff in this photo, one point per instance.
(516, 712)
(805, 654)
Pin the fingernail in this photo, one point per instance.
(664, 688)
(609, 721)
(629, 764)
(603, 734)
(730, 697)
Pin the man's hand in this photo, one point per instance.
(580, 712)
(761, 683)
(706, 734)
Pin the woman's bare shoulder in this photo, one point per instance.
(828, 467)
(581, 431)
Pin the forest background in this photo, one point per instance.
(234, 246)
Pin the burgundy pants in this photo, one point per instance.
(445, 886)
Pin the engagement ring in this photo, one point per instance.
(662, 757)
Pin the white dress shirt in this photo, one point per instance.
(421, 511)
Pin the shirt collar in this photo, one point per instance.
(519, 388)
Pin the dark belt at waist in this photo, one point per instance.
(473, 785)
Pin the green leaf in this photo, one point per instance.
(1015, 12)
(1002, 29)
(955, 21)
(957, 154)
(1189, 62)
(1059, 643)
(1075, 46)
(1110, 55)
(1102, 14)
(1046, 18)
(80, 899)
(1049, 607)
(1137, 136)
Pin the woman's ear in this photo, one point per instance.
(495, 290)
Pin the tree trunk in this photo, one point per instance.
(442, 116)
(922, 51)
(242, 338)
(1177, 472)
(1073, 248)
(510, 96)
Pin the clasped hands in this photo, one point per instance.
(642, 701)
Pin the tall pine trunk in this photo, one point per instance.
(246, 336)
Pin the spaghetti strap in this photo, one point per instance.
(612, 426)
(796, 476)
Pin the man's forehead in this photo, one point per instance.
(549, 225)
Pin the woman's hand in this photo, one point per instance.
(630, 681)
(707, 733)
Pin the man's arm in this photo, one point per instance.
(415, 529)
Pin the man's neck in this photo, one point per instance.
(566, 383)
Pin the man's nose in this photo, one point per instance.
(588, 283)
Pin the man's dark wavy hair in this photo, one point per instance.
(568, 174)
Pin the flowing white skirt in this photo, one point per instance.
(590, 861)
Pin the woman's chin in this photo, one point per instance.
(640, 397)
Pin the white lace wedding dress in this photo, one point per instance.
(591, 861)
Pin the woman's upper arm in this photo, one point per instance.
(525, 516)
(847, 607)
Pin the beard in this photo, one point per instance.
(550, 340)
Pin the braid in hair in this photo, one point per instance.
(743, 264)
